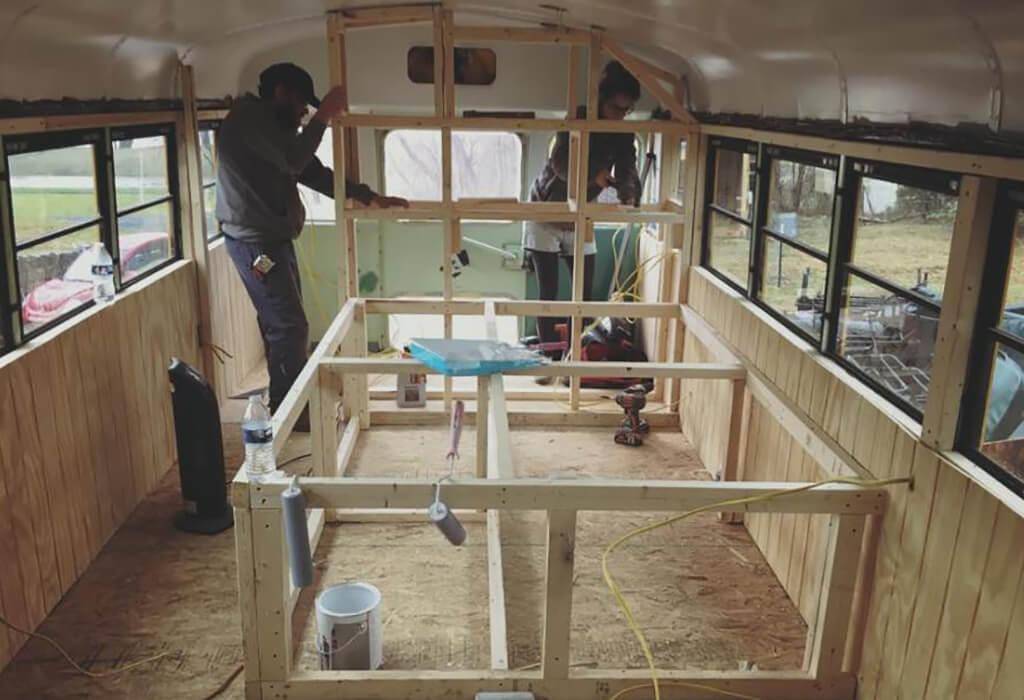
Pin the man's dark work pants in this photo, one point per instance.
(277, 297)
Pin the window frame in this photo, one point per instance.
(988, 335)
(839, 266)
(716, 144)
(382, 138)
(213, 126)
(37, 143)
(769, 154)
(172, 198)
(9, 299)
(101, 141)
(852, 173)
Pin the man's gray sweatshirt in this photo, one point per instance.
(259, 163)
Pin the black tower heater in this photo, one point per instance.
(200, 452)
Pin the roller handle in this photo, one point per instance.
(458, 412)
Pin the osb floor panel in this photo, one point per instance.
(702, 591)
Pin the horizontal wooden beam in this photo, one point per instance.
(521, 35)
(211, 115)
(658, 418)
(657, 370)
(395, 121)
(535, 393)
(475, 307)
(577, 494)
(519, 211)
(396, 515)
(581, 685)
(298, 396)
(65, 122)
(383, 16)
(969, 163)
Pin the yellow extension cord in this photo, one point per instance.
(74, 664)
(625, 291)
(613, 586)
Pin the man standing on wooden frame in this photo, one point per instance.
(262, 155)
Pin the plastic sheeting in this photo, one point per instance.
(939, 62)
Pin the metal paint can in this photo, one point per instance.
(348, 628)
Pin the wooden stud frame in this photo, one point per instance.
(268, 598)
(446, 34)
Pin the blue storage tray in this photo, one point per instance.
(471, 358)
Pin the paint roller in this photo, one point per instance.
(438, 512)
(296, 533)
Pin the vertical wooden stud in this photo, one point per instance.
(355, 394)
(584, 225)
(271, 579)
(561, 547)
(348, 282)
(826, 642)
(483, 384)
(444, 67)
(247, 604)
(961, 297)
(193, 217)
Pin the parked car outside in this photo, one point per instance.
(57, 296)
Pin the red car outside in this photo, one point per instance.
(56, 297)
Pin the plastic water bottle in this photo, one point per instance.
(102, 274)
(258, 438)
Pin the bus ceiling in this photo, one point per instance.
(805, 61)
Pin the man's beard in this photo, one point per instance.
(285, 116)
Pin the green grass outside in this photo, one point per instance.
(38, 212)
(895, 251)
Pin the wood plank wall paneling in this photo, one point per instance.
(705, 405)
(232, 326)
(86, 432)
(943, 600)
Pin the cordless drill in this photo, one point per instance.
(633, 428)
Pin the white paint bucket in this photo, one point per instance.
(348, 628)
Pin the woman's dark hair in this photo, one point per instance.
(616, 80)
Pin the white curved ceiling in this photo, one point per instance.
(943, 62)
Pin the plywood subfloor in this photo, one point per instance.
(702, 590)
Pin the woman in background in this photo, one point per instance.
(612, 163)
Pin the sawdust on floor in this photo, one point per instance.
(701, 589)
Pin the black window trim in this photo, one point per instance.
(169, 132)
(852, 173)
(769, 154)
(729, 214)
(743, 147)
(37, 143)
(101, 141)
(57, 233)
(807, 250)
(988, 335)
(8, 290)
(838, 260)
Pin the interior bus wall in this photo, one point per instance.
(936, 598)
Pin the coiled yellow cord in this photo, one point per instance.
(613, 586)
